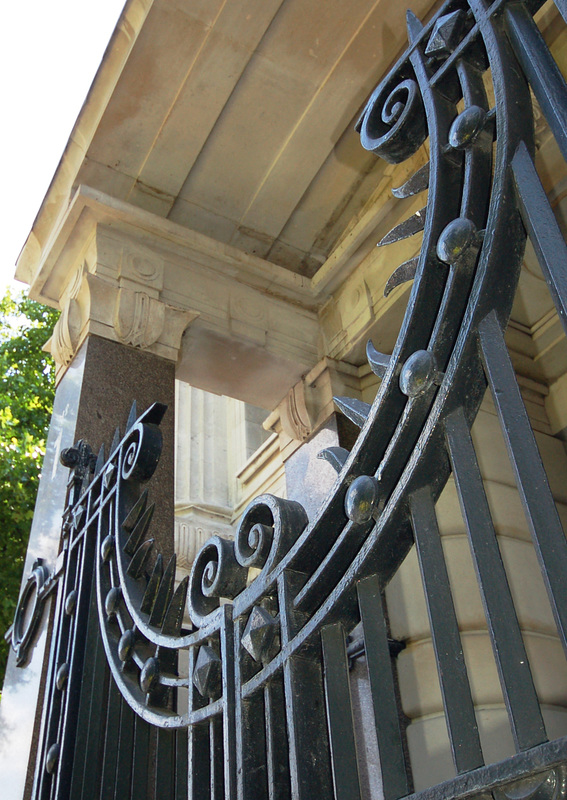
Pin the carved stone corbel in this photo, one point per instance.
(121, 309)
(309, 404)
(138, 318)
(296, 421)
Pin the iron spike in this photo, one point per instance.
(99, 461)
(414, 26)
(154, 413)
(336, 456)
(115, 440)
(87, 478)
(174, 614)
(354, 409)
(164, 593)
(136, 566)
(405, 272)
(132, 416)
(136, 512)
(418, 182)
(405, 229)
(152, 588)
(139, 531)
(379, 362)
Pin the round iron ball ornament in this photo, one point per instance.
(112, 601)
(419, 373)
(149, 675)
(126, 644)
(361, 499)
(457, 237)
(466, 127)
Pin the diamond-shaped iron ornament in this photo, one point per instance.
(207, 672)
(107, 477)
(259, 633)
(78, 512)
(445, 35)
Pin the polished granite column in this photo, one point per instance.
(93, 397)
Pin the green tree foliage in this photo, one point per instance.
(26, 399)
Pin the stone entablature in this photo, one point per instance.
(128, 275)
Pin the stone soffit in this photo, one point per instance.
(140, 108)
(235, 120)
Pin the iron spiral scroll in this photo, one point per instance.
(261, 682)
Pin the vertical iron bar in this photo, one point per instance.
(540, 68)
(181, 785)
(125, 753)
(43, 782)
(93, 700)
(539, 506)
(198, 766)
(542, 229)
(455, 688)
(54, 703)
(339, 714)
(309, 755)
(277, 756)
(216, 758)
(92, 774)
(395, 782)
(140, 758)
(509, 651)
(76, 629)
(228, 694)
(250, 730)
(110, 757)
(165, 751)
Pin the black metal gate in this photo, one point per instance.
(255, 702)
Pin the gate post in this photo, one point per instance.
(101, 370)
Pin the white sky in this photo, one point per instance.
(49, 54)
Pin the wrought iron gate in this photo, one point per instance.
(254, 702)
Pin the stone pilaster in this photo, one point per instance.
(419, 684)
(204, 491)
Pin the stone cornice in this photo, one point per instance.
(47, 273)
(126, 274)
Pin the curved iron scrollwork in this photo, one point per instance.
(29, 612)
(261, 682)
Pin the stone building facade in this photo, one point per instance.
(210, 238)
